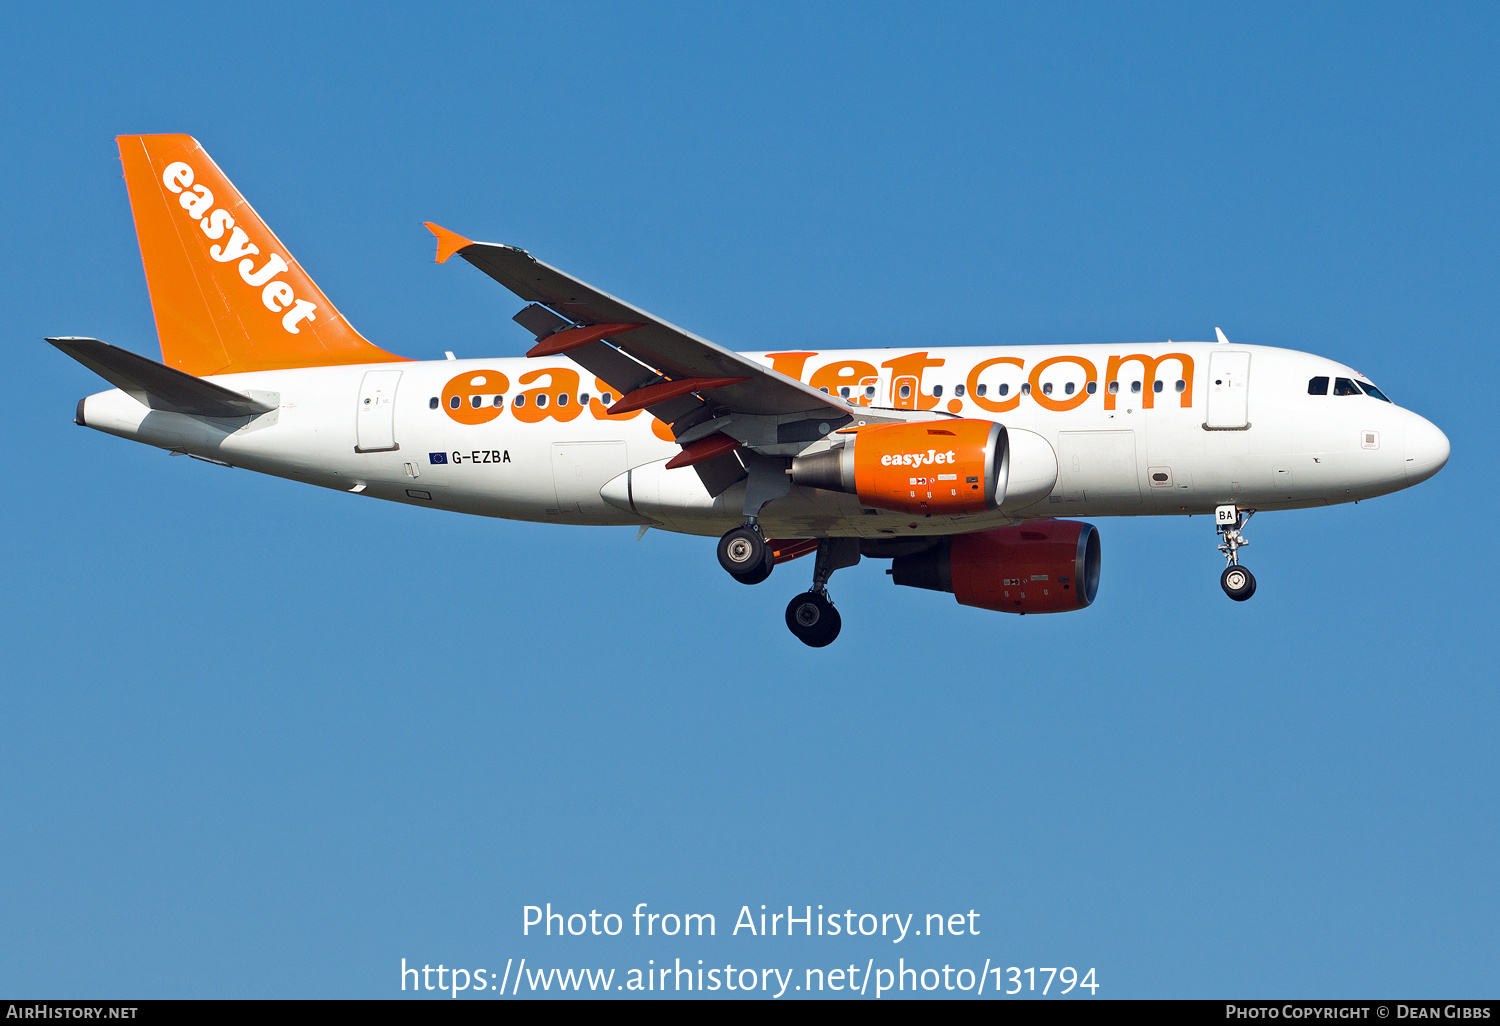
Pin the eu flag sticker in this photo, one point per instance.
(436, 458)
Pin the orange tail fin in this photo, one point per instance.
(227, 295)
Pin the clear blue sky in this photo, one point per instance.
(261, 739)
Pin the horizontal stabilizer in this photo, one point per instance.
(156, 385)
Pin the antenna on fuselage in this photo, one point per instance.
(1223, 339)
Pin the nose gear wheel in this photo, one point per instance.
(1238, 583)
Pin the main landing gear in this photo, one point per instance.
(749, 559)
(744, 553)
(811, 616)
(1238, 583)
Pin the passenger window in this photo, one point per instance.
(1091, 387)
(824, 390)
(937, 391)
(520, 400)
(476, 401)
(1181, 385)
(432, 403)
(583, 398)
(870, 391)
(1068, 388)
(1046, 388)
(562, 400)
(1005, 390)
(1135, 387)
(983, 389)
(499, 400)
(844, 392)
(1372, 391)
(1026, 388)
(1156, 386)
(606, 398)
(1114, 388)
(958, 390)
(1343, 386)
(455, 403)
(541, 400)
(1318, 385)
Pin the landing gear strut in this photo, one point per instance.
(811, 616)
(1238, 582)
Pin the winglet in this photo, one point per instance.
(448, 242)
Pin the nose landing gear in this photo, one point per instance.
(1238, 582)
(811, 616)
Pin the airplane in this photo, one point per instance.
(963, 466)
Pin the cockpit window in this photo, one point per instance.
(1343, 386)
(1318, 385)
(1373, 392)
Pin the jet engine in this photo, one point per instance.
(946, 467)
(1046, 567)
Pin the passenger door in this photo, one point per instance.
(375, 418)
(1228, 391)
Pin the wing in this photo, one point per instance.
(703, 390)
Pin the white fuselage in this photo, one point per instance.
(1209, 424)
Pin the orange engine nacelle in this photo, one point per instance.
(1047, 567)
(943, 466)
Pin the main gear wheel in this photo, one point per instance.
(812, 618)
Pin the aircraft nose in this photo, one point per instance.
(1426, 450)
